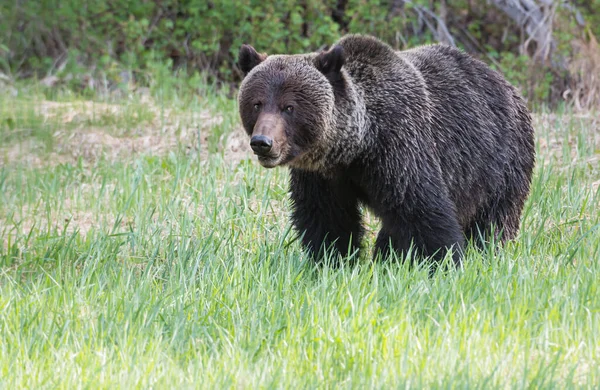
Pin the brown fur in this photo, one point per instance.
(436, 143)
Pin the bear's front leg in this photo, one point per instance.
(326, 214)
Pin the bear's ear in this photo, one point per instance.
(330, 62)
(248, 58)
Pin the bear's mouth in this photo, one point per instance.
(269, 161)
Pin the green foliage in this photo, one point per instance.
(196, 33)
(521, 71)
(112, 38)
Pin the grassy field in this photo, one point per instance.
(142, 246)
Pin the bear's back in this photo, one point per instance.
(480, 123)
(450, 72)
(470, 118)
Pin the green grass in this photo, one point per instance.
(178, 268)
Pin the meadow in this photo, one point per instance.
(143, 246)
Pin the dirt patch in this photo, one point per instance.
(94, 143)
(76, 111)
(237, 147)
(22, 223)
(73, 214)
(89, 131)
(556, 136)
(30, 153)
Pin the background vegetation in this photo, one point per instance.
(140, 245)
(546, 47)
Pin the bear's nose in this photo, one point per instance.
(261, 144)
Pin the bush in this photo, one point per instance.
(38, 35)
(114, 39)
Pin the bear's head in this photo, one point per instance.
(287, 104)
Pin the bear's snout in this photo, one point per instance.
(268, 139)
(261, 144)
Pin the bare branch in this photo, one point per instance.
(536, 19)
(441, 33)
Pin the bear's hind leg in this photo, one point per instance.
(479, 231)
(499, 222)
(432, 233)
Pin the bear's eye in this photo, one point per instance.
(257, 106)
(289, 109)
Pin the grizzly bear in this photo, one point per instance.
(438, 145)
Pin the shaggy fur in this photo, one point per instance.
(436, 143)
